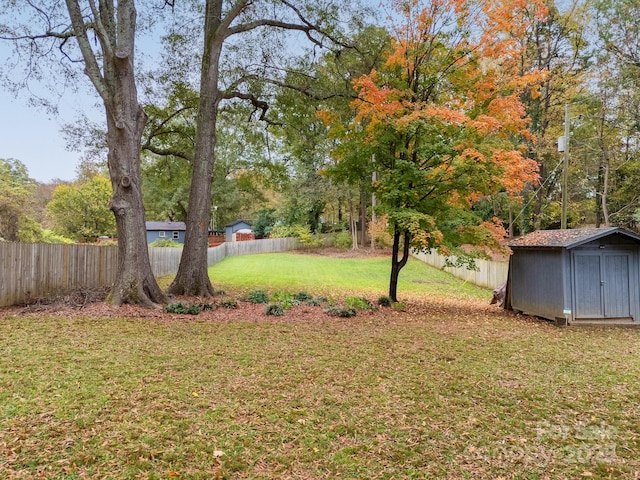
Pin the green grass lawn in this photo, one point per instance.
(451, 390)
(323, 275)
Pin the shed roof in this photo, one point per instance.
(567, 238)
(153, 226)
(237, 222)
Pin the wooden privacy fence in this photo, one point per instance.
(31, 271)
(490, 274)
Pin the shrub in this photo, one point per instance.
(228, 302)
(281, 231)
(358, 303)
(344, 312)
(315, 301)
(384, 301)
(286, 299)
(183, 308)
(258, 296)
(302, 297)
(330, 240)
(275, 309)
(344, 240)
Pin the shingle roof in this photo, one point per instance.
(153, 226)
(567, 238)
(237, 222)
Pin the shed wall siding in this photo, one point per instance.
(537, 283)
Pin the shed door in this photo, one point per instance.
(601, 284)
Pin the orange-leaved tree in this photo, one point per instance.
(444, 118)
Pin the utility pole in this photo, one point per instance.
(565, 172)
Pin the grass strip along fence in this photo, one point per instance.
(32, 271)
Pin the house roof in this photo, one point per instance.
(237, 222)
(567, 238)
(153, 226)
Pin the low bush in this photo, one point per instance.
(228, 302)
(315, 301)
(344, 240)
(275, 309)
(187, 308)
(286, 299)
(258, 296)
(384, 301)
(344, 312)
(302, 297)
(359, 303)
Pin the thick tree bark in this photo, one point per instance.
(193, 276)
(134, 282)
(114, 80)
(398, 264)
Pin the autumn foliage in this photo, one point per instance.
(444, 118)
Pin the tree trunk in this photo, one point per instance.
(364, 225)
(605, 192)
(604, 166)
(353, 225)
(539, 193)
(134, 282)
(193, 276)
(116, 85)
(398, 264)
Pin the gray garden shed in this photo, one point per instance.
(580, 275)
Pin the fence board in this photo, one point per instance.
(489, 274)
(31, 271)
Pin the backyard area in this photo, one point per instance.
(443, 386)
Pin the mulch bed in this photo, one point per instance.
(91, 303)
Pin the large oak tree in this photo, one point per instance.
(224, 23)
(100, 36)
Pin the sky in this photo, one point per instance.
(33, 137)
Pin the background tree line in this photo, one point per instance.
(280, 112)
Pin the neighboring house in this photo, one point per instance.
(239, 226)
(588, 275)
(166, 231)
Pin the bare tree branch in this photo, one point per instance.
(255, 101)
(304, 26)
(166, 152)
(91, 64)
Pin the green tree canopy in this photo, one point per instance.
(444, 119)
(16, 201)
(81, 210)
